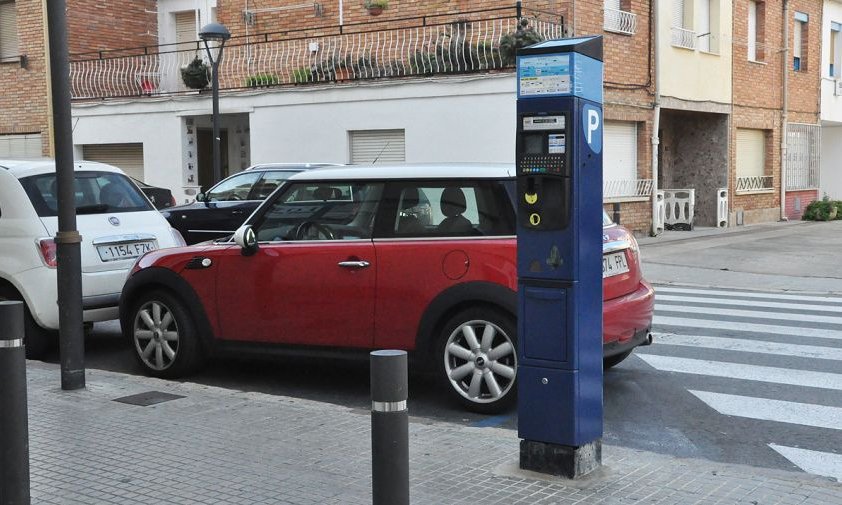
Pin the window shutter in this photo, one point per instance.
(620, 154)
(385, 146)
(796, 40)
(612, 4)
(8, 31)
(127, 157)
(185, 27)
(752, 31)
(678, 13)
(704, 26)
(20, 146)
(751, 153)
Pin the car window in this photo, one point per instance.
(94, 192)
(321, 211)
(435, 209)
(606, 221)
(234, 188)
(268, 183)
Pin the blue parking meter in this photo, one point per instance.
(559, 255)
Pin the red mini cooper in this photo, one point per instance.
(414, 257)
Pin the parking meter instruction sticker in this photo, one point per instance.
(531, 198)
(592, 127)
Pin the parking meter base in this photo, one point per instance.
(561, 460)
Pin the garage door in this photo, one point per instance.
(380, 146)
(128, 157)
(20, 146)
(620, 156)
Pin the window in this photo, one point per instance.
(9, 50)
(321, 211)
(751, 161)
(800, 43)
(20, 146)
(446, 209)
(268, 184)
(620, 159)
(377, 146)
(186, 36)
(682, 24)
(127, 157)
(237, 187)
(803, 148)
(756, 30)
(96, 193)
(618, 17)
(835, 51)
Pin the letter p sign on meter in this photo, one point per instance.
(559, 255)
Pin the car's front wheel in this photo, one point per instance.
(477, 358)
(164, 335)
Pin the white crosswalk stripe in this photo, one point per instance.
(750, 339)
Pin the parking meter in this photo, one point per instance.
(559, 253)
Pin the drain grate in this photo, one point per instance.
(148, 398)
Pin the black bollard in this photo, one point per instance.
(389, 428)
(14, 427)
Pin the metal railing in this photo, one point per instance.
(620, 21)
(803, 148)
(683, 38)
(401, 48)
(754, 183)
(626, 188)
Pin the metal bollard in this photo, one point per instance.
(389, 428)
(14, 427)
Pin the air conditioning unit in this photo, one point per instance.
(837, 88)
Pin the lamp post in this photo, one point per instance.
(215, 32)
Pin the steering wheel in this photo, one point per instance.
(304, 229)
(234, 197)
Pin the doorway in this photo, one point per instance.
(204, 154)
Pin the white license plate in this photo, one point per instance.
(128, 250)
(614, 264)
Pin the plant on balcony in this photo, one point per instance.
(196, 74)
(422, 63)
(258, 80)
(525, 35)
(302, 75)
(375, 7)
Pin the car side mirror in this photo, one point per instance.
(201, 197)
(246, 239)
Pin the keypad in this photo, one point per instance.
(541, 164)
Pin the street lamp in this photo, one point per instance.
(215, 32)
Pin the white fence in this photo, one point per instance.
(683, 38)
(620, 21)
(753, 184)
(626, 188)
(680, 205)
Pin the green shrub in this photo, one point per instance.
(302, 75)
(823, 210)
(256, 80)
(195, 75)
(525, 35)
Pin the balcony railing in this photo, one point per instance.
(620, 21)
(401, 48)
(754, 184)
(683, 38)
(626, 188)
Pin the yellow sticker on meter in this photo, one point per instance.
(531, 198)
(534, 219)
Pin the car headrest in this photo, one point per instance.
(410, 198)
(453, 202)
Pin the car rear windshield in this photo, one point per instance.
(95, 192)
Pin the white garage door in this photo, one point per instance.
(381, 146)
(128, 157)
(20, 146)
(620, 157)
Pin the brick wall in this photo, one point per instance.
(797, 201)
(635, 216)
(804, 90)
(94, 25)
(23, 101)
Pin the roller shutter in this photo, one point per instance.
(384, 146)
(8, 31)
(751, 148)
(127, 157)
(620, 155)
(20, 146)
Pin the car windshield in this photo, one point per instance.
(237, 187)
(606, 221)
(95, 193)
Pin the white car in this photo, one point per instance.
(117, 223)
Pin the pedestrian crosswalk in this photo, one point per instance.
(765, 358)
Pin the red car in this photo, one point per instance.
(415, 257)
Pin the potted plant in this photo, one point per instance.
(259, 80)
(375, 7)
(525, 35)
(195, 74)
(302, 75)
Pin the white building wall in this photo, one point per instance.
(831, 174)
(831, 104)
(448, 119)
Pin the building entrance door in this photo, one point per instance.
(204, 154)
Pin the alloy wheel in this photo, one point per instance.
(480, 361)
(156, 336)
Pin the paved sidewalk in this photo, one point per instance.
(218, 446)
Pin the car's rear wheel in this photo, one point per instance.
(38, 341)
(615, 360)
(477, 355)
(164, 336)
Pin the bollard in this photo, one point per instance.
(389, 428)
(14, 427)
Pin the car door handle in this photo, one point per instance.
(236, 212)
(354, 264)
